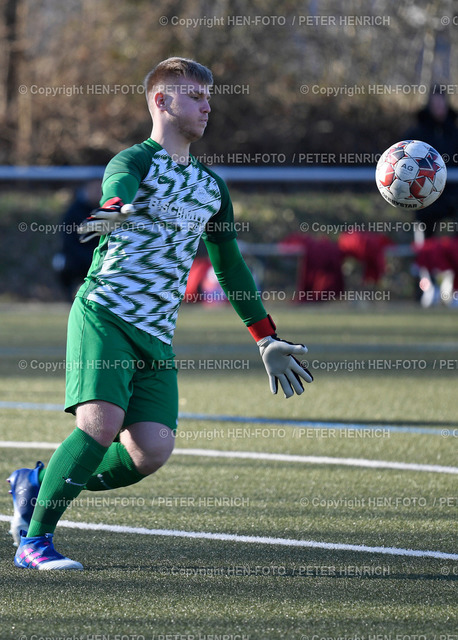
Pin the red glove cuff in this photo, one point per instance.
(112, 202)
(262, 328)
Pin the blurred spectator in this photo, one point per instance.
(320, 276)
(437, 258)
(367, 247)
(436, 125)
(74, 259)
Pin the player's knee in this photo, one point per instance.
(156, 455)
(101, 420)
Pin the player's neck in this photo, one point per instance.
(176, 146)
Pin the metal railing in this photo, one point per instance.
(291, 174)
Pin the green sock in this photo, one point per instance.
(116, 470)
(70, 467)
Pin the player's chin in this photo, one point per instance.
(194, 130)
(194, 136)
(197, 132)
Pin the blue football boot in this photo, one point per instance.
(39, 553)
(24, 490)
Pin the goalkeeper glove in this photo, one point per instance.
(280, 358)
(105, 219)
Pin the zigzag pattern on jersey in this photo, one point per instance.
(146, 265)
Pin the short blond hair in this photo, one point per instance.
(174, 69)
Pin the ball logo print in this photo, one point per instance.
(411, 174)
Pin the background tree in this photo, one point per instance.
(88, 54)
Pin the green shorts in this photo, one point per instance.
(110, 359)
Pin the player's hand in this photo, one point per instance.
(282, 362)
(105, 219)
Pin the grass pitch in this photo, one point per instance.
(374, 368)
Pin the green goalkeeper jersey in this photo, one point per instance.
(140, 270)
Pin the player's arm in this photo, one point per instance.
(120, 184)
(281, 359)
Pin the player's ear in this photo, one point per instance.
(159, 100)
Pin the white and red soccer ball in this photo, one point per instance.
(411, 174)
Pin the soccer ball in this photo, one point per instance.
(411, 174)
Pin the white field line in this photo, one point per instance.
(30, 444)
(286, 457)
(260, 540)
(280, 457)
(309, 424)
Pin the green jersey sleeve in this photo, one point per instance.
(236, 280)
(125, 172)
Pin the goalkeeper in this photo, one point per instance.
(157, 202)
